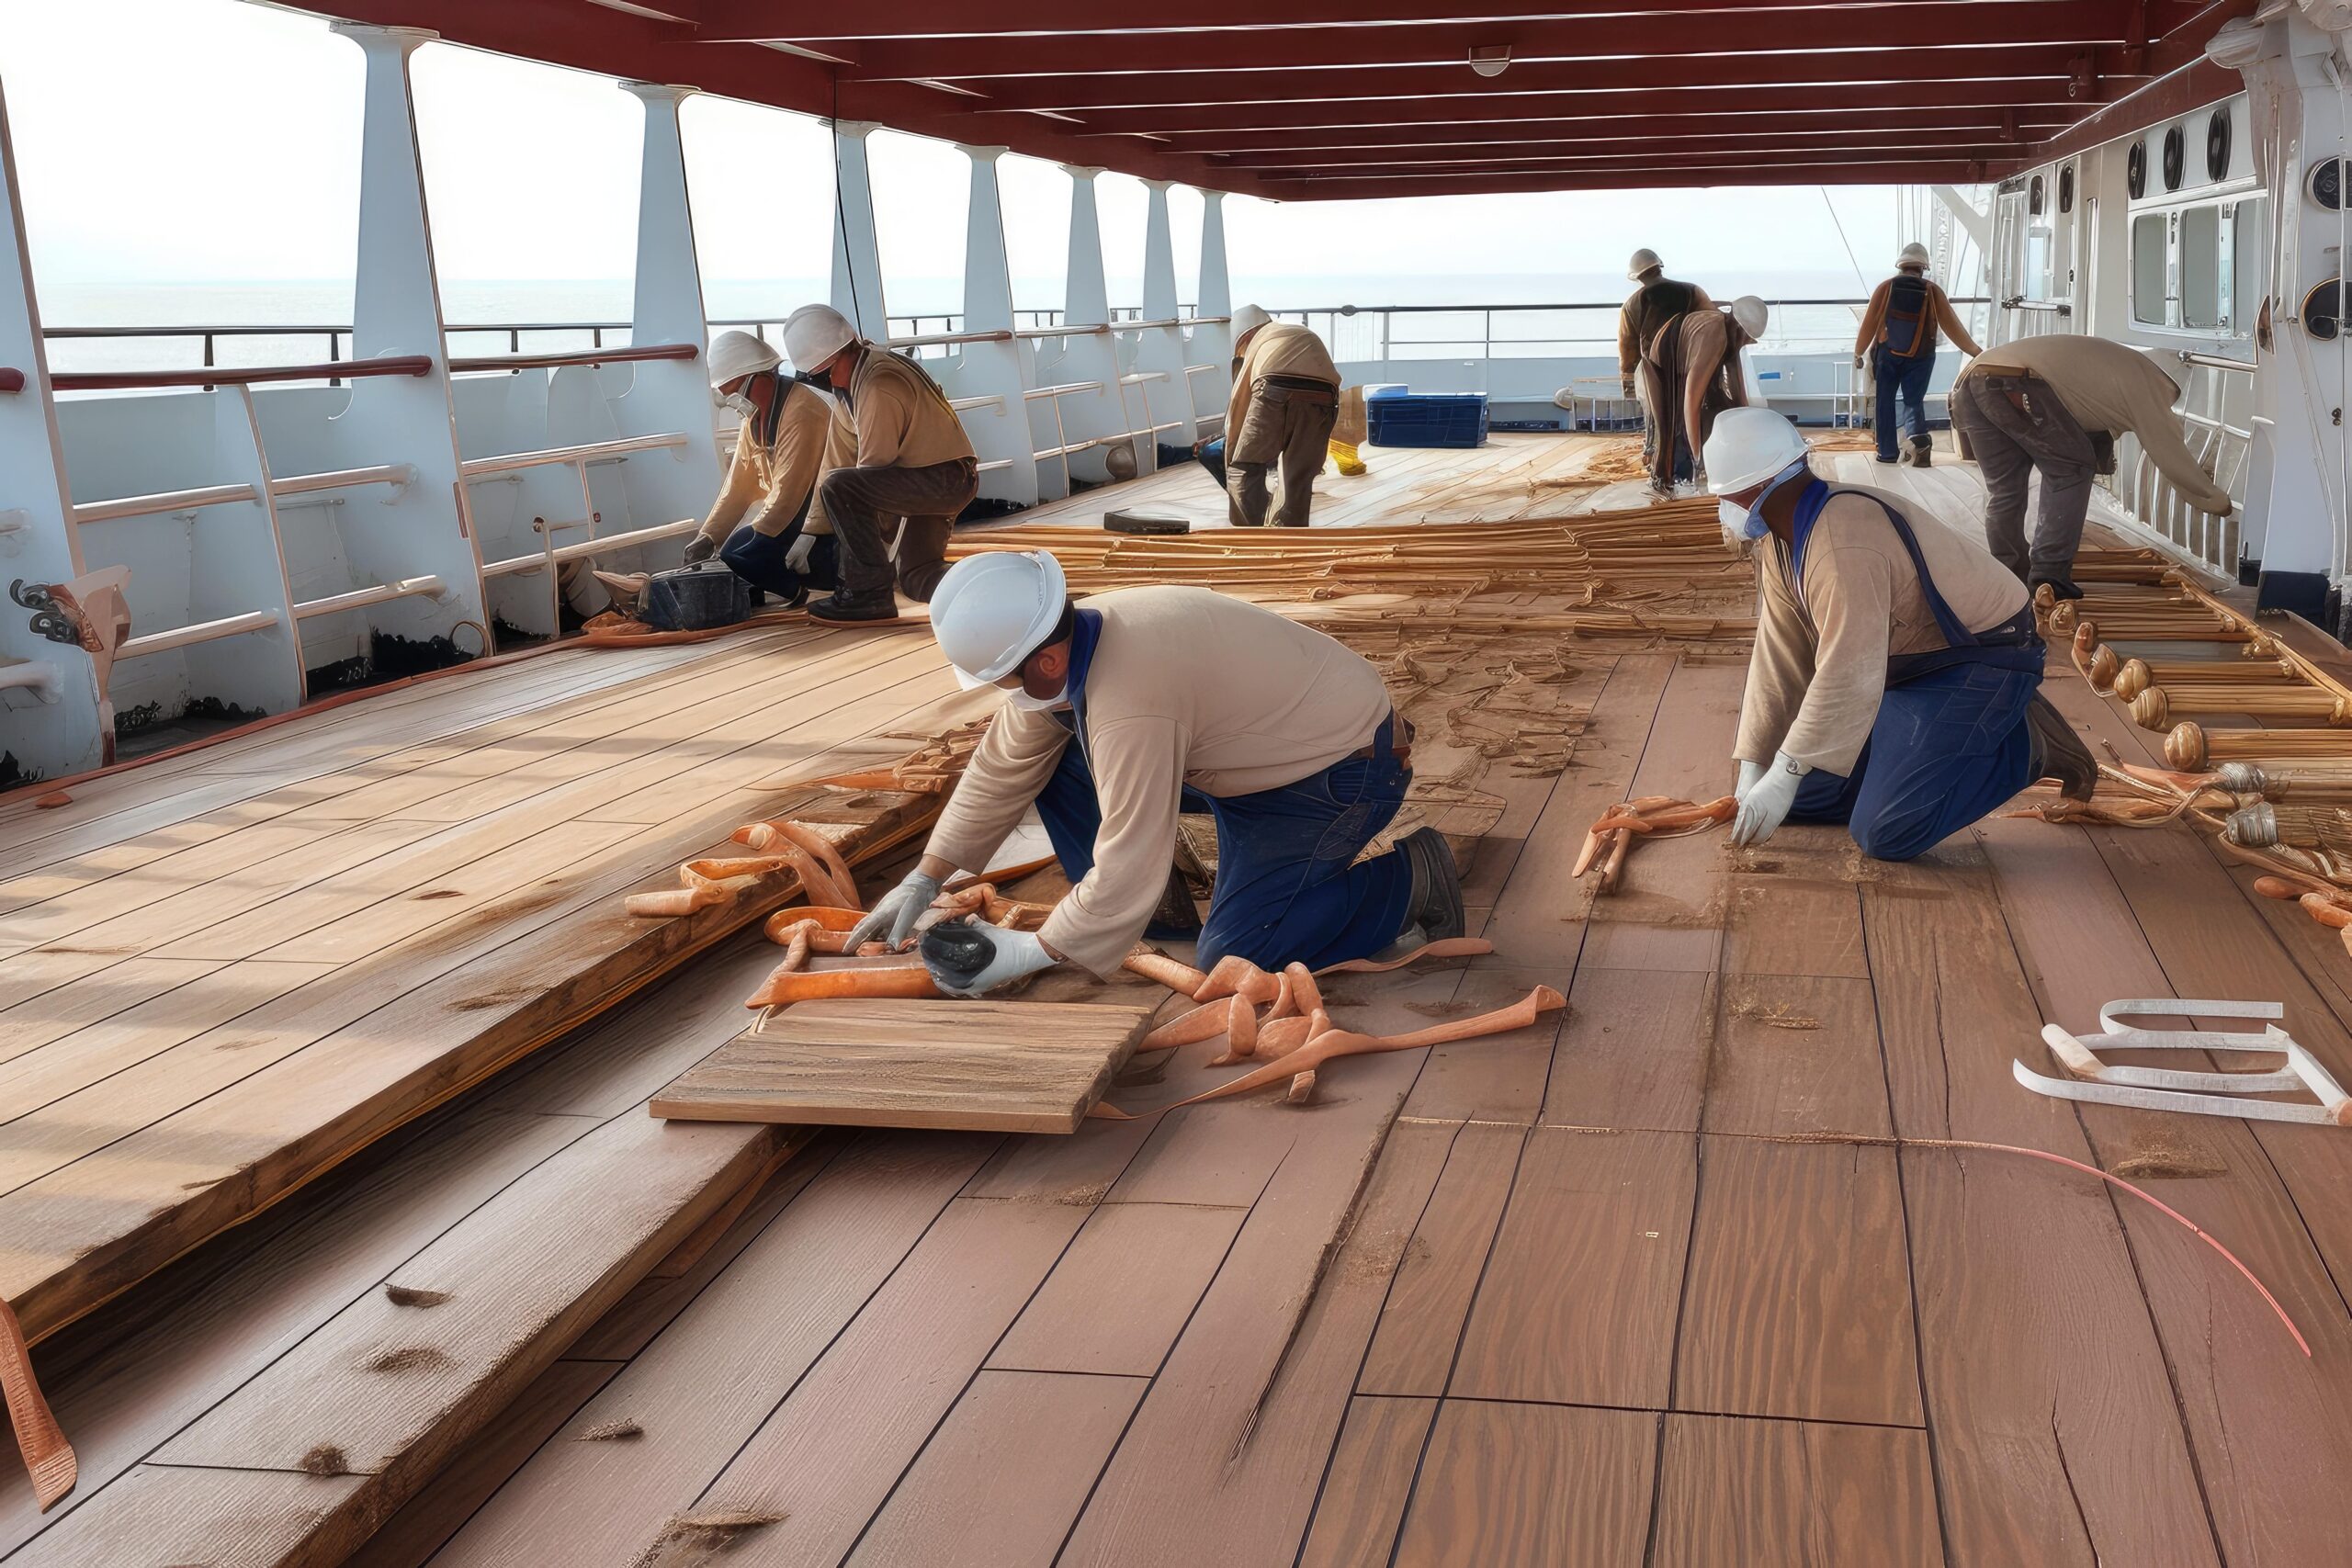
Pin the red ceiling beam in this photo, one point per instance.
(1900, 24)
(2193, 89)
(1382, 187)
(800, 21)
(1887, 158)
(2059, 68)
(1945, 146)
(2032, 125)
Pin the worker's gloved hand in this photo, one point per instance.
(893, 917)
(1748, 774)
(796, 558)
(1766, 803)
(700, 548)
(1857, 362)
(1625, 385)
(971, 958)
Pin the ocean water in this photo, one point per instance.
(1463, 328)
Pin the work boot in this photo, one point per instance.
(2060, 588)
(1175, 919)
(1433, 909)
(2058, 752)
(1923, 451)
(844, 607)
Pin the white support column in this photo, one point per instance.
(425, 527)
(1212, 342)
(1158, 255)
(1161, 395)
(1089, 420)
(857, 250)
(53, 726)
(1001, 431)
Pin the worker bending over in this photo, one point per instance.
(763, 525)
(1694, 364)
(2057, 403)
(1286, 404)
(1655, 301)
(1895, 683)
(911, 460)
(1897, 340)
(1126, 709)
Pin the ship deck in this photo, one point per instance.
(1688, 1274)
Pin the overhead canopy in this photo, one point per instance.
(1336, 98)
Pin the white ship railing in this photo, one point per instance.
(2225, 448)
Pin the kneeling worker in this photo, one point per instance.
(912, 460)
(1895, 683)
(762, 525)
(1284, 406)
(1126, 709)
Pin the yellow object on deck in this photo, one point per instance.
(1344, 454)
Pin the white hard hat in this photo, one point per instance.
(1914, 255)
(814, 334)
(1751, 315)
(1248, 319)
(738, 353)
(1749, 446)
(1644, 259)
(993, 610)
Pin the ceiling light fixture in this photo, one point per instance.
(1489, 58)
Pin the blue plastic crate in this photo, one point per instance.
(1434, 419)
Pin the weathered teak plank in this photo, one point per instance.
(1635, 1051)
(1796, 1492)
(984, 1065)
(162, 1515)
(1363, 1497)
(1420, 1323)
(1119, 1297)
(1505, 1483)
(1794, 1054)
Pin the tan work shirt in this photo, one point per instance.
(1873, 327)
(2113, 388)
(1278, 348)
(1819, 669)
(900, 416)
(768, 478)
(1187, 686)
(1635, 328)
(1710, 338)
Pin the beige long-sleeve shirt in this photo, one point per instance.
(1707, 343)
(772, 473)
(2114, 388)
(1278, 348)
(1187, 686)
(1819, 669)
(1873, 325)
(901, 418)
(1635, 329)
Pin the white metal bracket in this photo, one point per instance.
(2200, 1093)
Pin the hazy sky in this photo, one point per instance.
(216, 140)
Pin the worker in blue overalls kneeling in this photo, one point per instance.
(1895, 683)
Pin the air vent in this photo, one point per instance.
(2323, 307)
(2066, 188)
(2325, 182)
(2033, 196)
(2176, 157)
(2135, 170)
(2217, 145)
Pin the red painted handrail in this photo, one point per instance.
(12, 380)
(233, 375)
(576, 357)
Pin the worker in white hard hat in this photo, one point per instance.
(1655, 301)
(1123, 710)
(911, 472)
(1895, 685)
(1897, 341)
(767, 525)
(1694, 361)
(1286, 404)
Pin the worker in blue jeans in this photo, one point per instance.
(1897, 340)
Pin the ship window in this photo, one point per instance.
(2148, 239)
(2200, 268)
(2247, 270)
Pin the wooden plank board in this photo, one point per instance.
(163, 1516)
(1362, 1500)
(1420, 1323)
(1531, 1484)
(1761, 1493)
(1796, 1054)
(1119, 1297)
(998, 1484)
(984, 1065)
(1635, 1051)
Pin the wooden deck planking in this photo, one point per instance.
(1117, 1300)
(1420, 1323)
(1531, 1484)
(1362, 1499)
(1759, 1492)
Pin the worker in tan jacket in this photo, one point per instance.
(1895, 683)
(1897, 341)
(1123, 710)
(910, 461)
(1286, 404)
(766, 523)
(1655, 301)
(2056, 404)
(1695, 372)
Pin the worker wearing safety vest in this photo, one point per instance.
(1124, 709)
(906, 457)
(1655, 301)
(2056, 404)
(765, 523)
(1286, 404)
(1895, 683)
(1897, 341)
(1693, 361)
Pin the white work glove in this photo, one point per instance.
(700, 548)
(1018, 953)
(1766, 802)
(896, 912)
(1748, 774)
(796, 558)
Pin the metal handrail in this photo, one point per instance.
(201, 631)
(2242, 367)
(361, 598)
(161, 501)
(590, 452)
(216, 376)
(575, 357)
